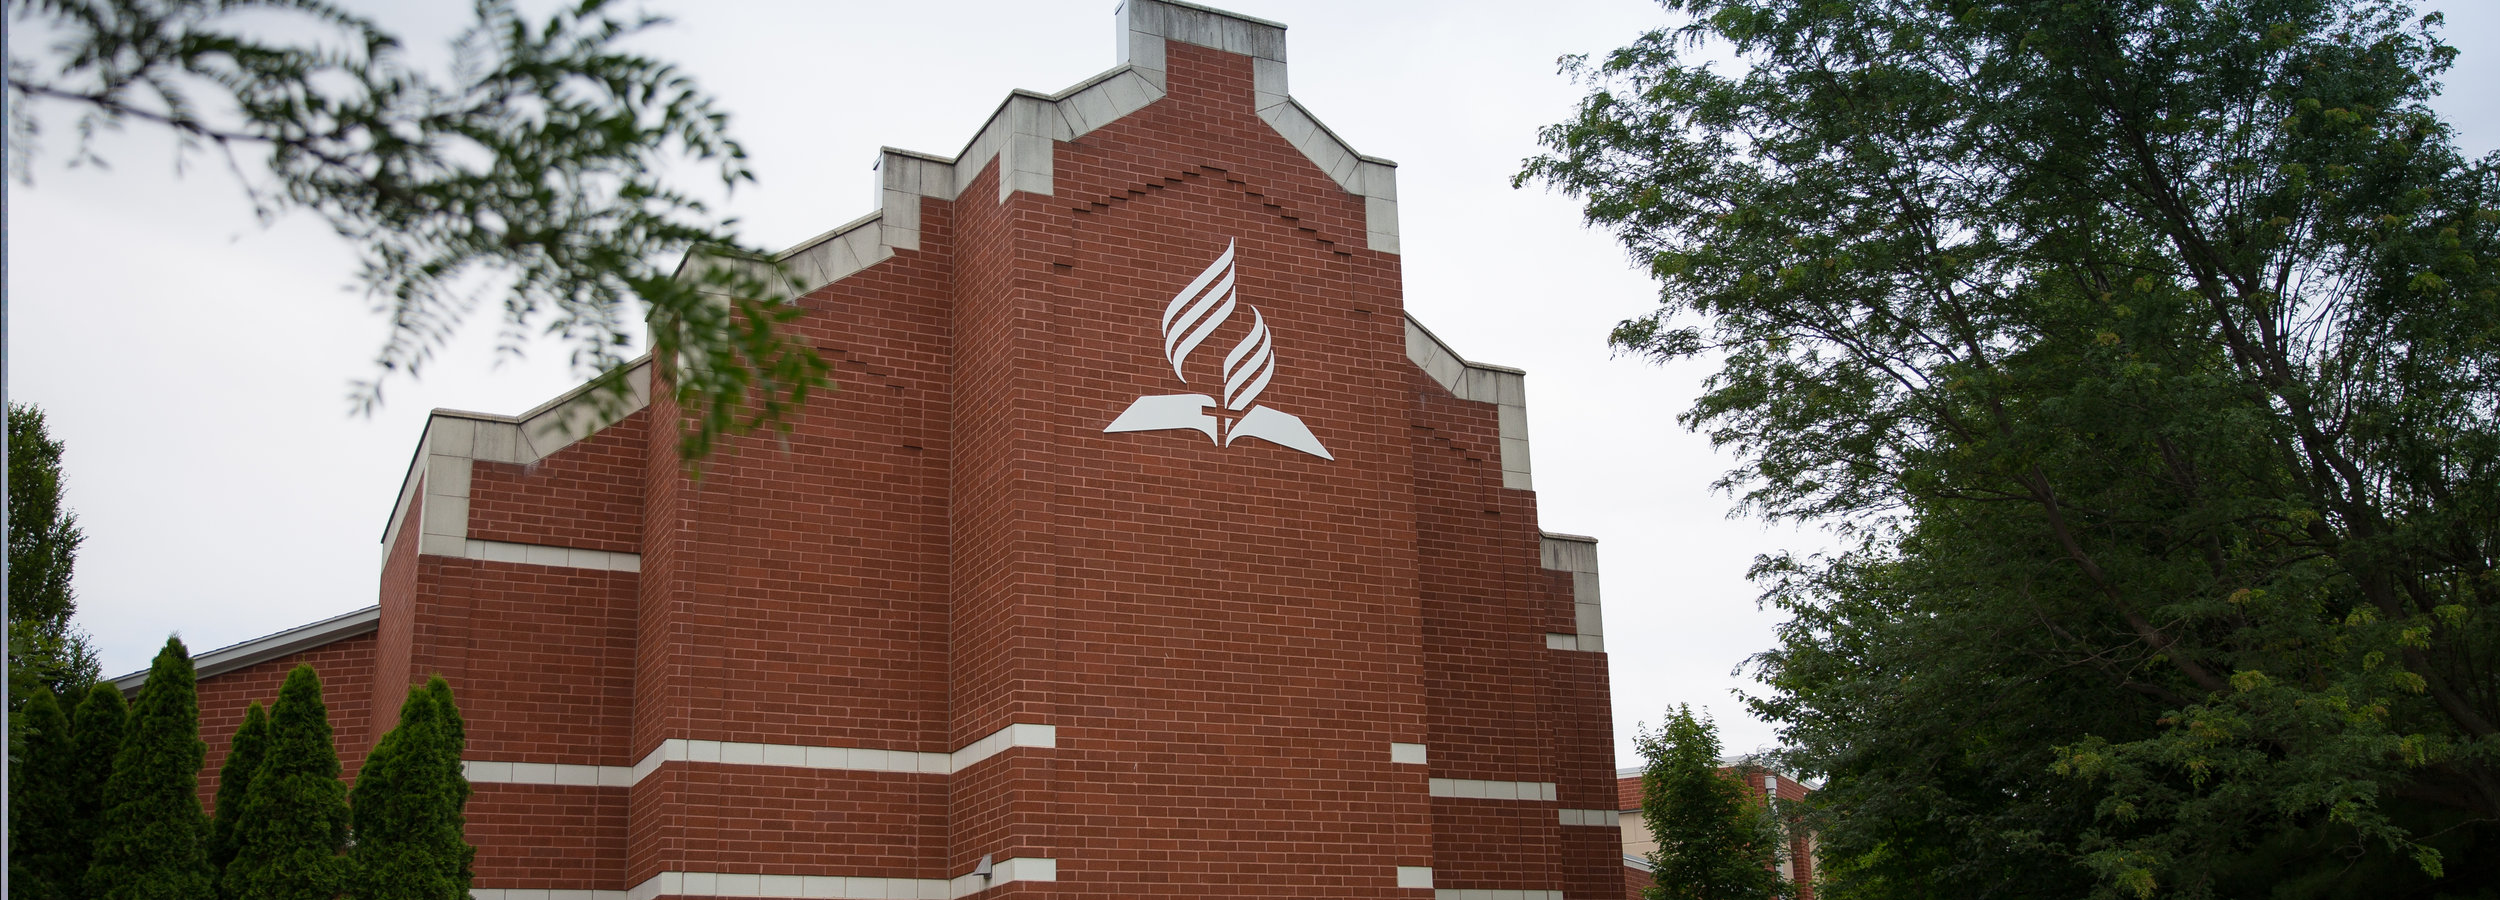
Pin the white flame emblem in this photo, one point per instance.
(1193, 316)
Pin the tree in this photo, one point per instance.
(234, 780)
(534, 171)
(96, 739)
(150, 846)
(408, 806)
(293, 823)
(45, 651)
(452, 741)
(1716, 840)
(2147, 355)
(43, 864)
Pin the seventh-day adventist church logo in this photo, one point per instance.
(1202, 307)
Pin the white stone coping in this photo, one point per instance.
(853, 759)
(1535, 791)
(454, 439)
(1022, 131)
(1504, 387)
(1577, 555)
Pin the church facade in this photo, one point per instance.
(1147, 549)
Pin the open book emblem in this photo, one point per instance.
(1202, 307)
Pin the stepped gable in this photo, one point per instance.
(1149, 547)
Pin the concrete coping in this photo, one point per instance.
(1226, 13)
(524, 439)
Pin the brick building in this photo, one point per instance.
(1797, 865)
(1148, 549)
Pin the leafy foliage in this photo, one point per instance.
(234, 780)
(534, 171)
(96, 731)
(43, 863)
(1716, 840)
(2148, 354)
(293, 822)
(150, 845)
(408, 805)
(46, 652)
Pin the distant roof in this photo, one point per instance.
(269, 647)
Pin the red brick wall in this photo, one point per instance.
(587, 495)
(1227, 639)
(796, 592)
(399, 604)
(346, 670)
(539, 657)
(544, 837)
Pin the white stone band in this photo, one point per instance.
(1493, 790)
(1594, 818)
(799, 887)
(853, 759)
(533, 554)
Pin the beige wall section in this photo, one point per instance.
(454, 440)
(1636, 840)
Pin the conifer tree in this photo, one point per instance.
(95, 739)
(452, 742)
(234, 779)
(151, 843)
(294, 813)
(407, 803)
(42, 865)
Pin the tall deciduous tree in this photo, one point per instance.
(2149, 353)
(150, 846)
(43, 863)
(537, 168)
(234, 780)
(96, 731)
(1716, 840)
(46, 652)
(408, 806)
(293, 823)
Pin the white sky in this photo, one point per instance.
(197, 363)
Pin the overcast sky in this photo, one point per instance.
(197, 362)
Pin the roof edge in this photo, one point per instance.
(268, 647)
